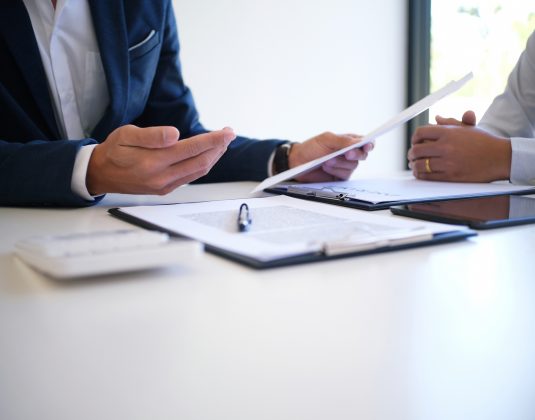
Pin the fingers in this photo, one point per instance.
(427, 133)
(186, 170)
(469, 118)
(341, 167)
(369, 147)
(201, 159)
(137, 160)
(424, 142)
(201, 163)
(164, 137)
(337, 142)
(437, 140)
(430, 169)
(196, 146)
(354, 136)
(424, 150)
(427, 166)
(360, 153)
(447, 121)
(339, 172)
(149, 138)
(317, 175)
(340, 162)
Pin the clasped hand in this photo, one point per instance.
(454, 150)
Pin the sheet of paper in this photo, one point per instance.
(394, 122)
(400, 189)
(281, 226)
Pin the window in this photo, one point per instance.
(447, 39)
(483, 36)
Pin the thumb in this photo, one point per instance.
(469, 118)
(447, 121)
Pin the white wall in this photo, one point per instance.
(294, 68)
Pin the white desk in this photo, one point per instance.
(444, 332)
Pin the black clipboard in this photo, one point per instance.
(438, 238)
(346, 201)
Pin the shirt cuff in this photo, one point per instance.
(270, 163)
(523, 156)
(79, 172)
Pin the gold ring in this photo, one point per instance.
(427, 167)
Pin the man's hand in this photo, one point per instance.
(151, 160)
(457, 151)
(339, 168)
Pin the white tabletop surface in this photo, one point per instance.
(443, 332)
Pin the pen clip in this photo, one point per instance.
(323, 193)
(244, 218)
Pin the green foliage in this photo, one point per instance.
(472, 11)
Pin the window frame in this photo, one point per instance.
(419, 61)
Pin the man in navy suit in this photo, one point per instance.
(92, 101)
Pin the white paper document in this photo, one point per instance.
(387, 190)
(391, 124)
(284, 227)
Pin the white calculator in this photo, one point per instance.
(104, 252)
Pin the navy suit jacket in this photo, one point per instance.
(145, 86)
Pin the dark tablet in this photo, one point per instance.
(478, 213)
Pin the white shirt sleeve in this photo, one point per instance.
(523, 161)
(512, 114)
(270, 163)
(79, 172)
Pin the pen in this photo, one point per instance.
(244, 218)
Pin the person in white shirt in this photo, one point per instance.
(500, 147)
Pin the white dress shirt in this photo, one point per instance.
(76, 79)
(512, 114)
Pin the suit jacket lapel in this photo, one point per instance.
(110, 27)
(18, 33)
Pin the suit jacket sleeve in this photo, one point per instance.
(512, 114)
(38, 173)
